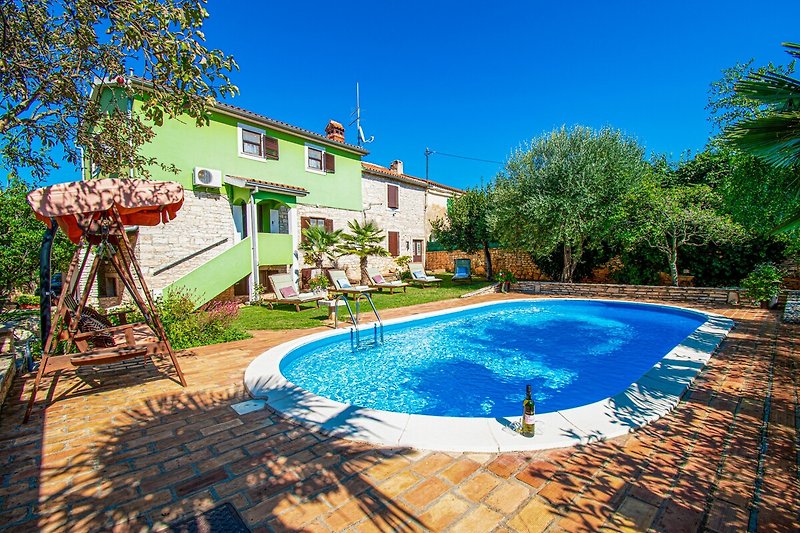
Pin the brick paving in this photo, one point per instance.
(127, 449)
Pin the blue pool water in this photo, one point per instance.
(477, 362)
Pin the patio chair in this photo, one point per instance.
(463, 270)
(377, 280)
(420, 277)
(342, 284)
(286, 292)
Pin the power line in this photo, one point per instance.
(466, 157)
(429, 152)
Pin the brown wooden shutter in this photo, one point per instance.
(330, 163)
(270, 147)
(304, 223)
(393, 196)
(394, 243)
(328, 225)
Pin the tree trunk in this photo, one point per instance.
(673, 266)
(571, 259)
(364, 276)
(489, 271)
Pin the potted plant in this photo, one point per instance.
(763, 284)
(402, 262)
(318, 284)
(506, 278)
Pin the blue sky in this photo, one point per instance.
(477, 79)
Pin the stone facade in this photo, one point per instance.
(204, 219)
(405, 219)
(436, 207)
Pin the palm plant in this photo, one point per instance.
(363, 241)
(774, 137)
(318, 244)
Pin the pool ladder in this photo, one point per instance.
(355, 333)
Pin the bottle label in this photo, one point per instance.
(528, 419)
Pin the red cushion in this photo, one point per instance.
(378, 279)
(288, 292)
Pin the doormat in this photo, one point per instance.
(221, 519)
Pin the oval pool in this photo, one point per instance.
(597, 368)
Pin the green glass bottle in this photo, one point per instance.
(528, 426)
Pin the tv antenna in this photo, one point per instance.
(357, 121)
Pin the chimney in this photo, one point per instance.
(335, 131)
(397, 166)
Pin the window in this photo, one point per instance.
(314, 159)
(256, 144)
(393, 196)
(307, 222)
(394, 243)
(320, 161)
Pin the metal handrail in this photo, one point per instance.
(343, 296)
(354, 319)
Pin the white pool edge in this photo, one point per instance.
(649, 398)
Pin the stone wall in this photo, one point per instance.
(406, 219)
(644, 292)
(521, 264)
(204, 219)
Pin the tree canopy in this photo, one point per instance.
(21, 239)
(53, 51)
(564, 190)
(363, 241)
(466, 226)
(669, 216)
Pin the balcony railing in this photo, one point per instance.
(274, 249)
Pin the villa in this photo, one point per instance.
(251, 185)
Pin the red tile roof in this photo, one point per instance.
(272, 184)
(378, 169)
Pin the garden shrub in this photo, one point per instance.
(27, 299)
(727, 265)
(187, 328)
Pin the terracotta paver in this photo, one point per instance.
(126, 447)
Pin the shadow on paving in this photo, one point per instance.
(178, 455)
(709, 465)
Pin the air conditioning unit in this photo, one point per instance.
(207, 177)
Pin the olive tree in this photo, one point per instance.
(466, 226)
(563, 191)
(668, 217)
(51, 53)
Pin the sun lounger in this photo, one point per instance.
(342, 284)
(376, 280)
(463, 270)
(286, 292)
(420, 277)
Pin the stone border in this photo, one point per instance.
(713, 295)
(791, 313)
(652, 396)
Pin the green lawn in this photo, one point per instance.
(285, 317)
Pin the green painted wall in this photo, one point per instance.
(213, 277)
(216, 146)
(274, 249)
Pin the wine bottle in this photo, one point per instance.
(528, 426)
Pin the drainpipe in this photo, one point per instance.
(252, 221)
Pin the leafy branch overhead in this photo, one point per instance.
(51, 53)
(775, 136)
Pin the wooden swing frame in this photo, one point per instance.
(103, 231)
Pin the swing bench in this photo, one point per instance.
(94, 214)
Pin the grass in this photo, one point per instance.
(256, 317)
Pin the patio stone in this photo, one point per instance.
(128, 449)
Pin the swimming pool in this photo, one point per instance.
(454, 380)
(477, 362)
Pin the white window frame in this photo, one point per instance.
(320, 149)
(251, 129)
